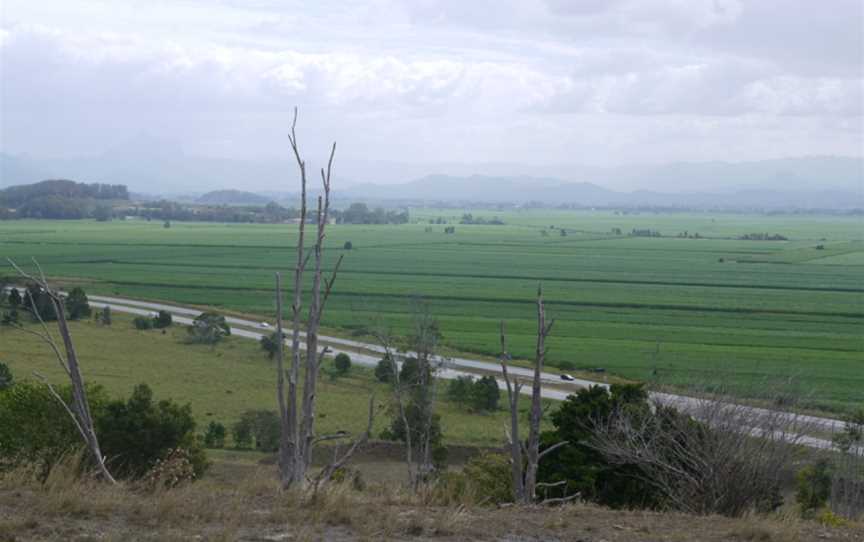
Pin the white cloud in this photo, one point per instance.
(454, 76)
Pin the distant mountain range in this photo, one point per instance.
(521, 190)
(152, 167)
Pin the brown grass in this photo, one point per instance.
(251, 507)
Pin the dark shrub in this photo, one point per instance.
(585, 469)
(136, 432)
(77, 304)
(143, 323)
(215, 435)
(208, 328)
(270, 344)
(348, 245)
(384, 370)
(813, 484)
(34, 427)
(342, 363)
(163, 320)
(258, 426)
(485, 394)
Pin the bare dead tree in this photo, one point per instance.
(525, 456)
(297, 414)
(79, 408)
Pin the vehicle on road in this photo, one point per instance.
(567, 377)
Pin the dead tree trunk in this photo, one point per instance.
(79, 410)
(514, 388)
(297, 416)
(525, 456)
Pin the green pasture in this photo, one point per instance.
(223, 381)
(714, 307)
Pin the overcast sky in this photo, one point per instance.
(429, 81)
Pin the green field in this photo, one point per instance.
(717, 306)
(223, 381)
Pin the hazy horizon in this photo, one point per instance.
(549, 88)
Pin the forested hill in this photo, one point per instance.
(59, 199)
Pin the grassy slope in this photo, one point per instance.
(614, 298)
(220, 382)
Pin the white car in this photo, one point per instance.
(567, 377)
(264, 325)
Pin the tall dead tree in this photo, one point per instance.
(79, 408)
(297, 413)
(525, 456)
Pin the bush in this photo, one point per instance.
(348, 245)
(270, 344)
(208, 328)
(585, 469)
(459, 389)
(105, 316)
(35, 429)
(215, 435)
(384, 370)
(143, 323)
(259, 426)
(176, 469)
(37, 302)
(6, 379)
(415, 416)
(163, 320)
(342, 363)
(77, 304)
(488, 476)
(479, 395)
(485, 394)
(813, 484)
(137, 432)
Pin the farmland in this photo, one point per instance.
(665, 308)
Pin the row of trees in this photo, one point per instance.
(60, 199)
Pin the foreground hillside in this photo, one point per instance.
(250, 507)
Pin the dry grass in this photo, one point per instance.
(253, 508)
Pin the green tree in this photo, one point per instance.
(459, 389)
(215, 435)
(77, 304)
(342, 363)
(813, 484)
(270, 344)
(105, 316)
(584, 469)
(384, 370)
(142, 323)
(260, 427)
(34, 427)
(485, 394)
(136, 432)
(163, 320)
(208, 328)
(39, 304)
(14, 298)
